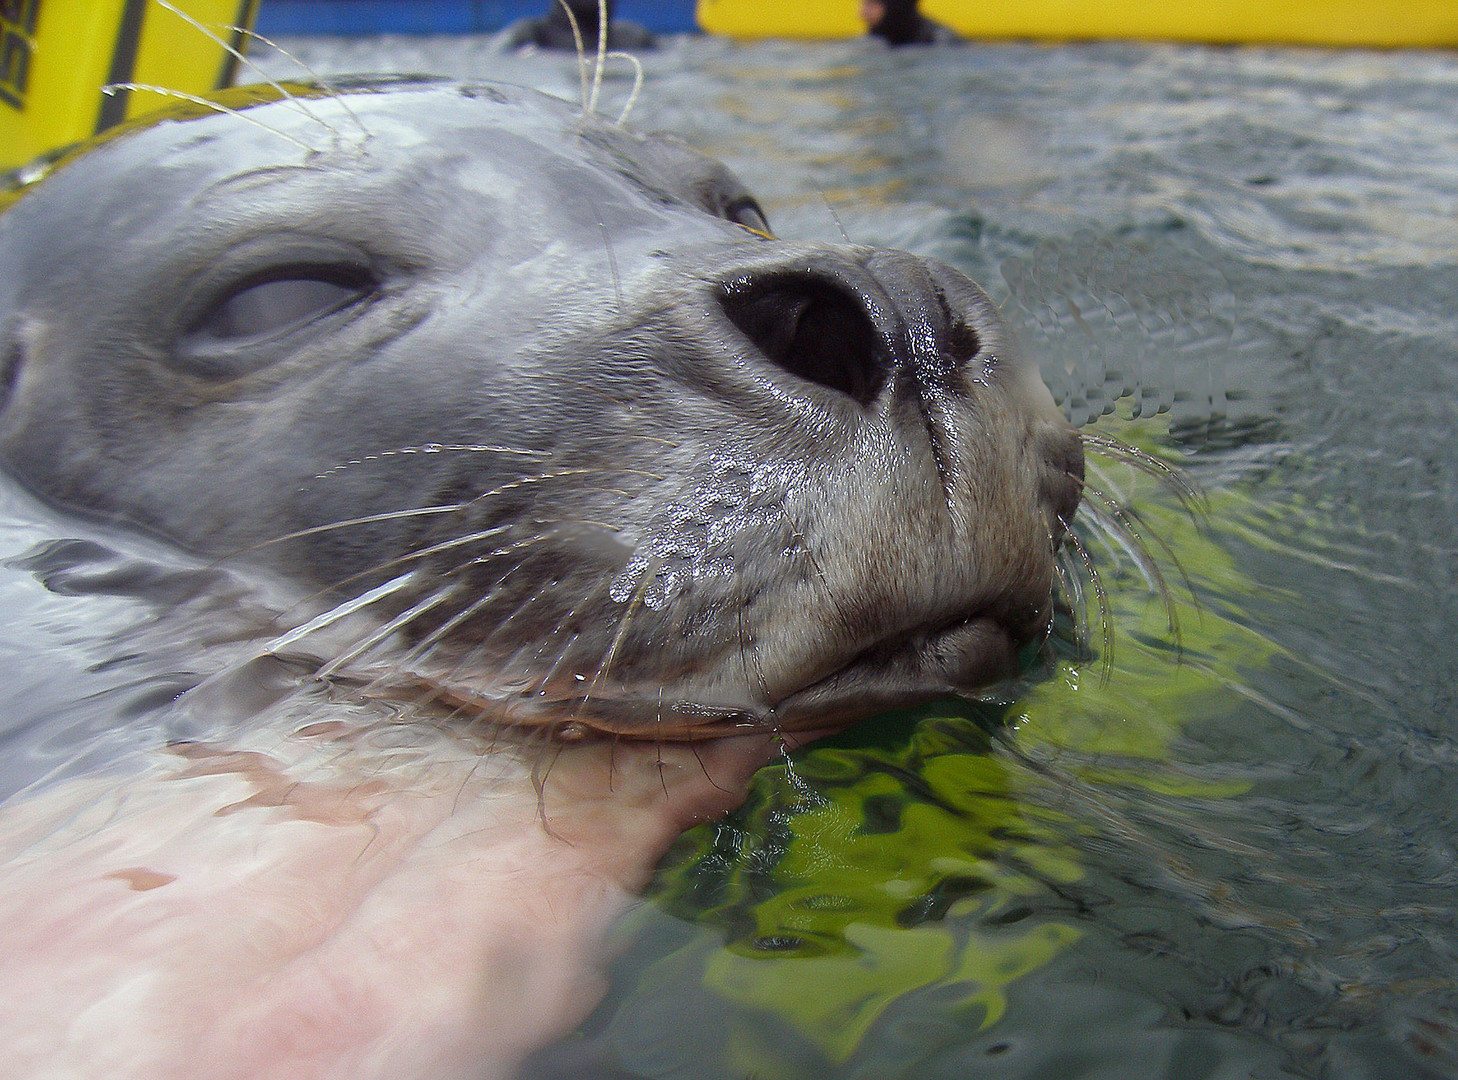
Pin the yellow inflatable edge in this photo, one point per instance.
(56, 55)
(1396, 23)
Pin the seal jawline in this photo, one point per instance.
(891, 675)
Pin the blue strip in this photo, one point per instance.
(357, 17)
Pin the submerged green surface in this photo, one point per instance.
(907, 861)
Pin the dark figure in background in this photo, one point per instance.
(897, 22)
(554, 29)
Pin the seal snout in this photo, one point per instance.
(931, 520)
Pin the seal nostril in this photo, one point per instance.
(963, 342)
(812, 328)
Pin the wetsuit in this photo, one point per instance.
(904, 25)
(554, 30)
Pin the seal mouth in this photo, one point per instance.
(911, 668)
(907, 669)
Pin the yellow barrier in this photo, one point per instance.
(56, 55)
(1382, 23)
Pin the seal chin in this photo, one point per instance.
(954, 661)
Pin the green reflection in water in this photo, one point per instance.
(913, 864)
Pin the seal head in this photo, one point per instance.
(543, 397)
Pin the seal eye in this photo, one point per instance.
(255, 320)
(278, 303)
(746, 213)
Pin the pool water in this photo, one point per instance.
(1213, 833)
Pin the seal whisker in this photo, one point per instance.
(386, 630)
(426, 605)
(580, 49)
(610, 653)
(334, 614)
(477, 763)
(539, 782)
(429, 448)
(601, 60)
(693, 745)
(1115, 525)
(607, 244)
(347, 607)
(445, 545)
(556, 665)
(802, 546)
(238, 55)
(1055, 546)
(380, 592)
(314, 77)
(835, 217)
(572, 615)
(1070, 580)
(1121, 519)
(470, 661)
(112, 89)
(454, 542)
(637, 83)
(469, 664)
(1101, 594)
(559, 474)
(421, 650)
(1176, 479)
(349, 523)
(402, 559)
(748, 648)
(429, 511)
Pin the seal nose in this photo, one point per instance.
(850, 327)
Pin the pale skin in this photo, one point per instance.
(322, 908)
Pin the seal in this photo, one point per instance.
(533, 419)
(544, 400)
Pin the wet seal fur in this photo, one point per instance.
(542, 397)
